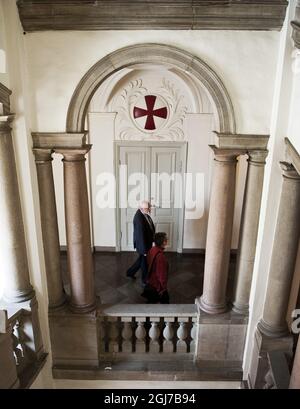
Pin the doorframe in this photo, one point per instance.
(164, 144)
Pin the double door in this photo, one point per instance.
(151, 172)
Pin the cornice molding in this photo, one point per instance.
(40, 15)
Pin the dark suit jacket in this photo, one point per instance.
(143, 233)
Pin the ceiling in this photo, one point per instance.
(42, 15)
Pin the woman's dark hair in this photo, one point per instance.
(159, 238)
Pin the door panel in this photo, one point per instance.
(158, 164)
(137, 160)
(165, 162)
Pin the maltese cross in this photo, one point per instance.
(150, 112)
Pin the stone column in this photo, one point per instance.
(219, 234)
(295, 377)
(43, 160)
(284, 253)
(249, 230)
(13, 255)
(80, 261)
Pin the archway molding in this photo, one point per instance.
(150, 54)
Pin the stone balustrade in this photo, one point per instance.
(18, 356)
(147, 329)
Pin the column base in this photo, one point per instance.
(271, 331)
(240, 309)
(82, 309)
(212, 308)
(19, 296)
(58, 305)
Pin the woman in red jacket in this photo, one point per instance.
(156, 290)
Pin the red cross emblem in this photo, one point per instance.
(150, 112)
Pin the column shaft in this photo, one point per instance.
(219, 234)
(295, 377)
(80, 261)
(249, 230)
(13, 255)
(284, 255)
(43, 160)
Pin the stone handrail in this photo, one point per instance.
(148, 329)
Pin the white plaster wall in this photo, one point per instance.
(199, 160)
(4, 79)
(246, 62)
(294, 119)
(101, 133)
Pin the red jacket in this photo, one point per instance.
(158, 267)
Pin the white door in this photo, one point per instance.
(159, 165)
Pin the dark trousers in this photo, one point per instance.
(153, 297)
(140, 263)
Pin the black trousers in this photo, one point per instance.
(153, 297)
(140, 263)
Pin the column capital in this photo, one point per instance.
(258, 157)
(242, 141)
(5, 121)
(227, 155)
(42, 155)
(59, 140)
(74, 154)
(288, 171)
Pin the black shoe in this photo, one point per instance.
(130, 276)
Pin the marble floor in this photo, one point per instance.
(184, 284)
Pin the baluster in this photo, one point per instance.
(194, 334)
(182, 334)
(168, 334)
(20, 336)
(140, 333)
(127, 335)
(113, 345)
(18, 353)
(154, 334)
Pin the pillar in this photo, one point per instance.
(284, 253)
(80, 263)
(249, 230)
(43, 160)
(219, 234)
(13, 255)
(295, 376)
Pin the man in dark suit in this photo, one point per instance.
(143, 237)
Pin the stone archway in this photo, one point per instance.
(151, 54)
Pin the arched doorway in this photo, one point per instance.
(150, 54)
